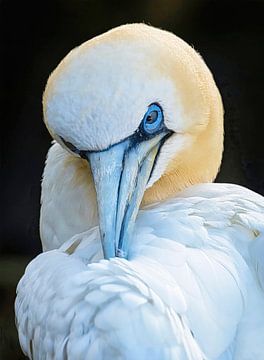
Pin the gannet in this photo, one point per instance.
(144, 257)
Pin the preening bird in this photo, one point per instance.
(144, 257)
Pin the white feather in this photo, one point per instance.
(192, 288)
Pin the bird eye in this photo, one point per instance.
(153, 119)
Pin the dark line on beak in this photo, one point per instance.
(156, 158)
(121, 236)
(118, 197)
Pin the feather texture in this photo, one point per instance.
(192, 288)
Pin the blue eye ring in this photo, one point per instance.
(153, 119)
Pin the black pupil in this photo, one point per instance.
(152, 117)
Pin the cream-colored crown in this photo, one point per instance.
(99, 93)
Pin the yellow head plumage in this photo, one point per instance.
(167, 70)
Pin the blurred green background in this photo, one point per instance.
(37, 35)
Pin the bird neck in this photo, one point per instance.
(199, 163)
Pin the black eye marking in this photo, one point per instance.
(71, 147)
(151, 125)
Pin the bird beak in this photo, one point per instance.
(121, 174)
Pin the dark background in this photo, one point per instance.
(37, 35)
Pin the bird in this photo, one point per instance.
(144, 256)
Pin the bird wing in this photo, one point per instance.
(68, 309)
(210, 239)
(192, 288)
(68, 199)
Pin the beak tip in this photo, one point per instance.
(121, 253)
(120, 184)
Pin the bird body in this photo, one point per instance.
(144, 258)
(192, 287)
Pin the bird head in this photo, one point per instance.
(141, 106)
